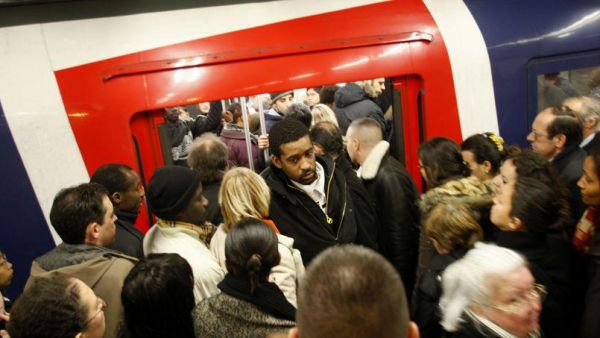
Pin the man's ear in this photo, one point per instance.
(116, 198)
(92, 233)
(276, 161)
(79, 335)
(294, 333)
(413, 330)
(560, 140)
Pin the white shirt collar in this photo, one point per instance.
(315, 190)
(587, 140)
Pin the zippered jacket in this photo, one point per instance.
(299, 217)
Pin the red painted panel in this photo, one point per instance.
(101, 112)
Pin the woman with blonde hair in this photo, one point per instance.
(453, 230)
(245, 194)
(320, 112)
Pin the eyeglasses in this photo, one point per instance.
(101, 307)
(536, 135)
(538, 293)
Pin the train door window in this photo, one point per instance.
(563, 81)
(165, 135)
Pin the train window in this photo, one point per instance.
(554, 88)
(243, 120)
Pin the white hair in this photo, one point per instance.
(469, 280)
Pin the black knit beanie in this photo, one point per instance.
(170, 190)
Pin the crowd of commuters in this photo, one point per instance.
(329, 235)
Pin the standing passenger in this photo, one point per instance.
(587, 242)
(208, 157)
(84, 219)
(235, 139)
(395, 195)
(352, 102)
(175, 197)
(351, 291)
(245, 194)
(310, 199)
(453, 231)
(528, 213)
(484, 154)
(158, 298)
(448, 180)
(248, 305)
(327, 140)
(126, 194)
(280, 102)
(556, 135)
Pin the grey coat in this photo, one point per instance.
(226, 316)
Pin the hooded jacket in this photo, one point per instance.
(351, 103)
(101, 269)
(299, 217)
(396, 197)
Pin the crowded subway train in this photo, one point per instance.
(84, 84)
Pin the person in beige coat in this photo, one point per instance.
(245, 194)
(84, 219)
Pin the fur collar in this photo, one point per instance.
(368, 170)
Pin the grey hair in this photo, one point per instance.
(468, 280)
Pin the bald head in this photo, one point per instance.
(348, 282)
(362, 135)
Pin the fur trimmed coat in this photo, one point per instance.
(469, 191)
(395, 195)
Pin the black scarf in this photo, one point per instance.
(267, 296)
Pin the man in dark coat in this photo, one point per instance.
(126, 194)
(310, 200)
(395, 195)
(327, 140)
(556, 135)
(351, 103)
(587, 110)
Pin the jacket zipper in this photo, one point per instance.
(328, 219)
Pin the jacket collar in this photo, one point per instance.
(369, 169)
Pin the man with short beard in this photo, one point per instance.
(310, 199)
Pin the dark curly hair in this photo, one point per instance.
(285, 131)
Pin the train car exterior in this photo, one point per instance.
(78, 93)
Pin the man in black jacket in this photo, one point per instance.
(556, 135)
(310, 200)
(395, 195)
(327, 140)
(126, 194)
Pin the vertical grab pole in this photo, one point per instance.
(247, 132)
(263, 125)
